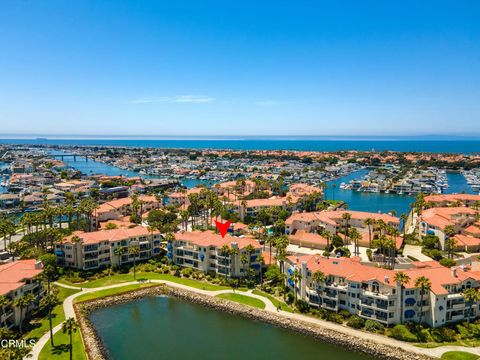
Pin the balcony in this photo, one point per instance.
(456, 306)
(378, 295)
(6, 316)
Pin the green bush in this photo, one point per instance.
(187, 272)
(302, 306)
(401, 332)
(345, 314)
(374, 326)
(448, 262)
(334, 317)
(443, 334)
(369, 254)
(356, 322)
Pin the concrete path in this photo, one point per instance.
(367, 336)
(416, 252)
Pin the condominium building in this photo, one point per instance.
(463, 219)
(372, 293)
(116, 209)
(93, 250)
(208, 251)
(443, 200)
(17, 279)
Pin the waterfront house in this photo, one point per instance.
(372, 293)
(119, 208)
(17, 279)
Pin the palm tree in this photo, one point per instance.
(4, 301)
(402, 279)
(244, 260)
(233, 252)
(404, 218)
(450, 242)
(319, 278)
(49, 301)
(23, 302)
(472, 296)
(134, 251)
(119, 251)
(369, 222)
(346, 218)
(355, 237)
(424, 284)
(70, 326)
(296, 277)
(225, 250)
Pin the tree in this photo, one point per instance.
(472, 296)
(23, 302)
(119, 251)
(450, 241)
(49, 301)
(69, 327)
(319, 278)
(296, 277)
(369, 222)
(402, 279)
(134, 251)
(424, 284)
(4, 301)
(346, 218)
(355, 237)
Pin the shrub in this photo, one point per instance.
(334, 317)
(374, 326)
(443, 334)
(187, 272)
(356, 322)
(302, 306)
(345, 314)
(290, 297)
(448, 262)
(401, 332)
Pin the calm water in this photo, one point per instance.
(457, 184)
(410, 144)
(168, 328)
(363, 201)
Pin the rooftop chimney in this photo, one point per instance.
(454, 272)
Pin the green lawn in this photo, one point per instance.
(275, 302)
(113, 291)
(458, 355)
(466, 343)
(58, 316)
(243, 299)
(121, 278)
(61, 349)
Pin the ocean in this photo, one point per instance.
(404, 144)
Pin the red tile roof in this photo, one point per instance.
(111, 235)
(14, 274)
(209, 238)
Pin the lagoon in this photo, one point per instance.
(170, 328)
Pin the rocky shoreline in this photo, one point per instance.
(97, 351)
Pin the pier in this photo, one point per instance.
(62, 156)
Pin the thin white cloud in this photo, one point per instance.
(197, 99)
(267, 102)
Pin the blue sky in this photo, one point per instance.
(239, 67)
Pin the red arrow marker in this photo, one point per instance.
(223, 228)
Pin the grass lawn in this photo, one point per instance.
(113, 291)
(61, 348)
(41, 326)
(466, 343)
(458, 355)
(121, 278)
(243, 299)
(275, 302)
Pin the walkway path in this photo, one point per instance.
(436, 352)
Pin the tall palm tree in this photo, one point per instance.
(346, 220)
(402, 279)
(424, 284)
(319, 278)
(369, 222)
(472, 296)
(450, 242)
(404, 218)
(134, 251)
(225, 250)
(355, 237)
(244, 261)
(118, 252)
(233, 253)
(69, 327)
(49, 301)
(296, 277)
(23, 302)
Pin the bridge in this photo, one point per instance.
(62, 156)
